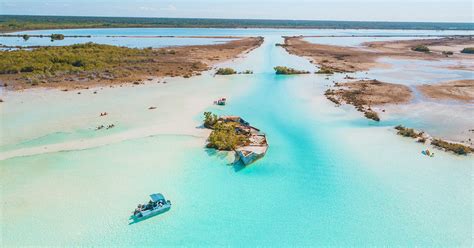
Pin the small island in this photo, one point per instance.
(283, 70)
(225, 71)
(422, 137)
(230, 71)
(363, 94)
(421, 48)
(232, 133)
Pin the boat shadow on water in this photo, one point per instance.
(132, 221)
(237, 164)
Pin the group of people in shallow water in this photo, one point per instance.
(102, 127)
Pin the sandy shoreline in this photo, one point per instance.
(350, 59)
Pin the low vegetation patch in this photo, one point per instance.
(57, 37)
(447, 53)
(224, 135)
(283, 70)
(247, 72)
(407, 132)
(330, 95)
(421, 48)
(76, 58)
(370, 114)
(210, 120)
(225, 71)
(469, 50)
(453, 147)
(325, 70)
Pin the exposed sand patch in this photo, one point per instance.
(352, 59)
(372, 92)
(460, 90)
(366, 93)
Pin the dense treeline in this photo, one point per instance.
(15, 23)
(75, 58)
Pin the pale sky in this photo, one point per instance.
(350, 10)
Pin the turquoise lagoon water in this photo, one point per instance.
(145, 36)
(330, 176)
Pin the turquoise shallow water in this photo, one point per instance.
(330, 177)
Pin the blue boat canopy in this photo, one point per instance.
(157, 197)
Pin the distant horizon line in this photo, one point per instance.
(237, 19)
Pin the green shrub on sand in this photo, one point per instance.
(225, 71)
(421, 48)
(283, 70)
(456, 148)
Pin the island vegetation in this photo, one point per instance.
(372, 115)
(224, 135)
(364, 94)
(232, 133)
(57, 37)
(77, 65)
(408, 132)
(325, 70)
(246, 72)
(283, 70)
(422, 137)
(468, 50)
(453, 147)
(421, 48)
(225, 71)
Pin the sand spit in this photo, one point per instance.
(364, 94)
(372, 92)
(351, 59)
(460, 90)
(185, 61)
(82, 144)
